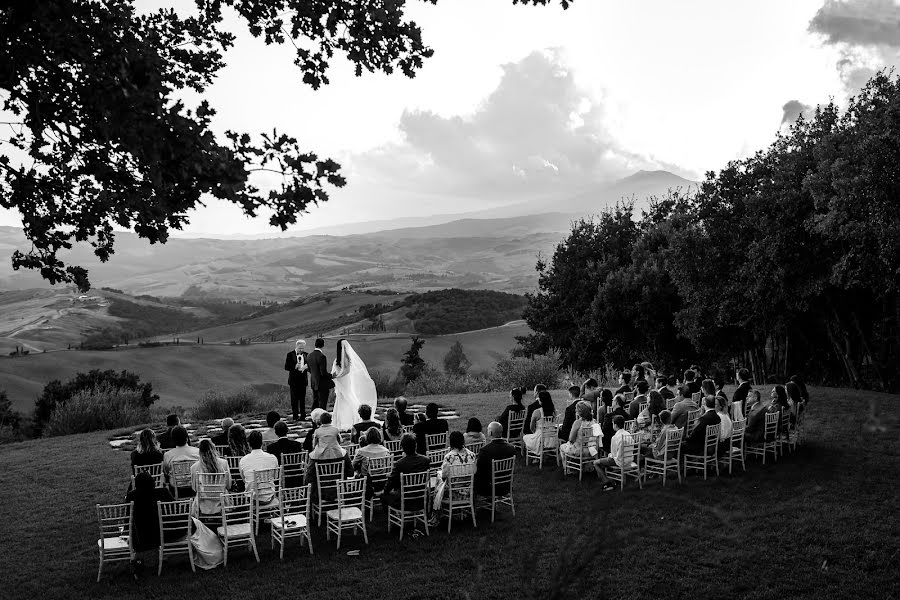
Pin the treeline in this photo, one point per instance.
(787, 261)
(455, 310)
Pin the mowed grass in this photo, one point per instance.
(182, 374)
(818, 524)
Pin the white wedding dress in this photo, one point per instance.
(352, 388)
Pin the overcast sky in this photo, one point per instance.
(519, 102)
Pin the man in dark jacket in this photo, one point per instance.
(740, 394)
(697, 438)
(319, 376)
(496, 449)
(430, 426)
(569, 416)
(409, 463)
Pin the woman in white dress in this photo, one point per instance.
(533, 441)
(352, 387)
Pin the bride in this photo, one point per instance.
(352, 387)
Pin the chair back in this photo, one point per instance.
(502, 474)
(712, 440)
(394, 447)
(696, 397)
(406, 429)
(643, 406)
(460, 482)
(223, 450)
(673, 443)
(436, 441)
(436, 458)
(295, 500)
(670, 403)
(475, 447)
(737, 433)
(174, 517)
(630, 425)
(629, 451)
(266, 483)
(413, 487)
(772, 420)
(115, 521)
(293, 464)
(234, 465)
(210, 486)
(237, 508)
(548, 431)
(351, 492)
(587, 439)
(692, 418)
(379, 470)
(351, 449)
(515, 424)
(327, 476)
(181, 473)
(156, 471)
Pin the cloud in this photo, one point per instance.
(867, 34)
(792, 110)
(537, 132)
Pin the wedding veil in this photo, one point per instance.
(359, 383)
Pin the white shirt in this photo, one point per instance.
(257, 460)
(615, 447)
(725, 426)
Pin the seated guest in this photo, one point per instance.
(283, 445)
(662, 388)
(590, 392)
(473, 435)
(608, 429)
(672, 385)
(165, 438)
(649, 371)
(327, 448)
(309, 440)
(616, 455)
(145, 516)
(529, 410)
(684, 405)
(496, 449)
(634, 408)
(222, 438)
(720, 387)
(209, 463)
(365, 413)
(655, 405)
(392, 428)
(181, 452)
(535, 441)
(269, 434)
(237, 441)
(430, 426)
(569, 415)
(726, 425)
(373, 448)
(690, 381)
(753, 398)
(575, 444)
(696, 439)
(708, 387)
(257, 460)
(624, 380)
(411, 462)
(658, 449)
(780, 401)
(400, 404)
(755, 431)
(147, 451)
(638, 374)
(458, 461)
(604, 404)
(515, 395)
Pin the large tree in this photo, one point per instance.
(98, 138)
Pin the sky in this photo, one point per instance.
(521, 102)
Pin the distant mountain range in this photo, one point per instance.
(490, 249)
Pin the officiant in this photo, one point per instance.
(296, 366)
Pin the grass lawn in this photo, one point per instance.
(821, 523)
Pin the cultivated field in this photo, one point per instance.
(181, 374)
(818, 524)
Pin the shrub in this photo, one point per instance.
(526, 372)
(412, 365)
(387, 384)
(455, 361)
(278, 401)
(432, 382)
(217, 404)
(103, 407)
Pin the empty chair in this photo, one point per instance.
(436, 441)
(501, 486)
(327, 476)
(266, 483)
(413, 502)
(670, 460)
(628, 461)
(547, 445)
(174, 528)
(770, 442)
(292, 519)
(237, 523)
(349, 512)
(293, 468)
(736, 445)
(702, 462)
(155, 471)
(515, 425)
(379, 470)
(114, 542)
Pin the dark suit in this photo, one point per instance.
(740, 395)
(666, 393)
(406, 418)
(697, 438)
(297, 381)
(568, 420)
(428, 427)
(694, 386)
(221, 439)
(284, 446)
(494, 450)
(407, 464)
(528, 412)
(622, 390)
(503, 419)
(607, 425)
(360, 429)
(165, 440)
(319, 378)
(634, 408)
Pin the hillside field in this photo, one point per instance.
(181, 374)
(817, 524)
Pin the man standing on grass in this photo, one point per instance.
(319, 376)
(298, 378)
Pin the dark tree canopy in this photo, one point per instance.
(98, 139)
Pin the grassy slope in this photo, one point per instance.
(181, 374)
(820, 523)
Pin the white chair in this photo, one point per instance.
(770, 441)
(547, 444)
(293, 517)
(223, 450)
(237, 523)
(643, 406)
(394, 447)
(413, 502)
(379, 470)
(692, 417)
(349, 514)
(696, 397)
(475, 447)
(628, 458)
(671, 459)
(702, 462)
(515, 425)
(327, 476)
(436, 441)
(502, 470)
(670, 403)
(406, 429)
(293, 468)
(210, 486)
(234, 466)
(629, 396)
(736, 446)
(630, 426)
(460, 493)
(798, 428)
(114, 542)
(266, 483)
(175, 517)
(587, 441)
(155, 471)
(181, 476)
(351, 449)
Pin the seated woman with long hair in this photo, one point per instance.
(534, 441)
(392, 429)
(209, 462)
(373, 449)
(237, 441)
(474, 433)
(147, 451)
(655, 405)
(515, 395)
(576, 443)
(458, 461)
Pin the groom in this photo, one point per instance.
(319, 377)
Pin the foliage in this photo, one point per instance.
(10, 420)
(387, 384)
(454, 310)
(433, 382)
(56, 393)
(526, 372)
(412, 365)
(105, 406)
(216, 404)
(455, 361)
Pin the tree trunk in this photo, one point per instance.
(841, 355)
(879, 377)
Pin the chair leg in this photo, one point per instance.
(100, 571)
(365, 535)
(191, 555)
(160, 553)
(339, 531)
(472, 510)
(425, 520)
(253, 545)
